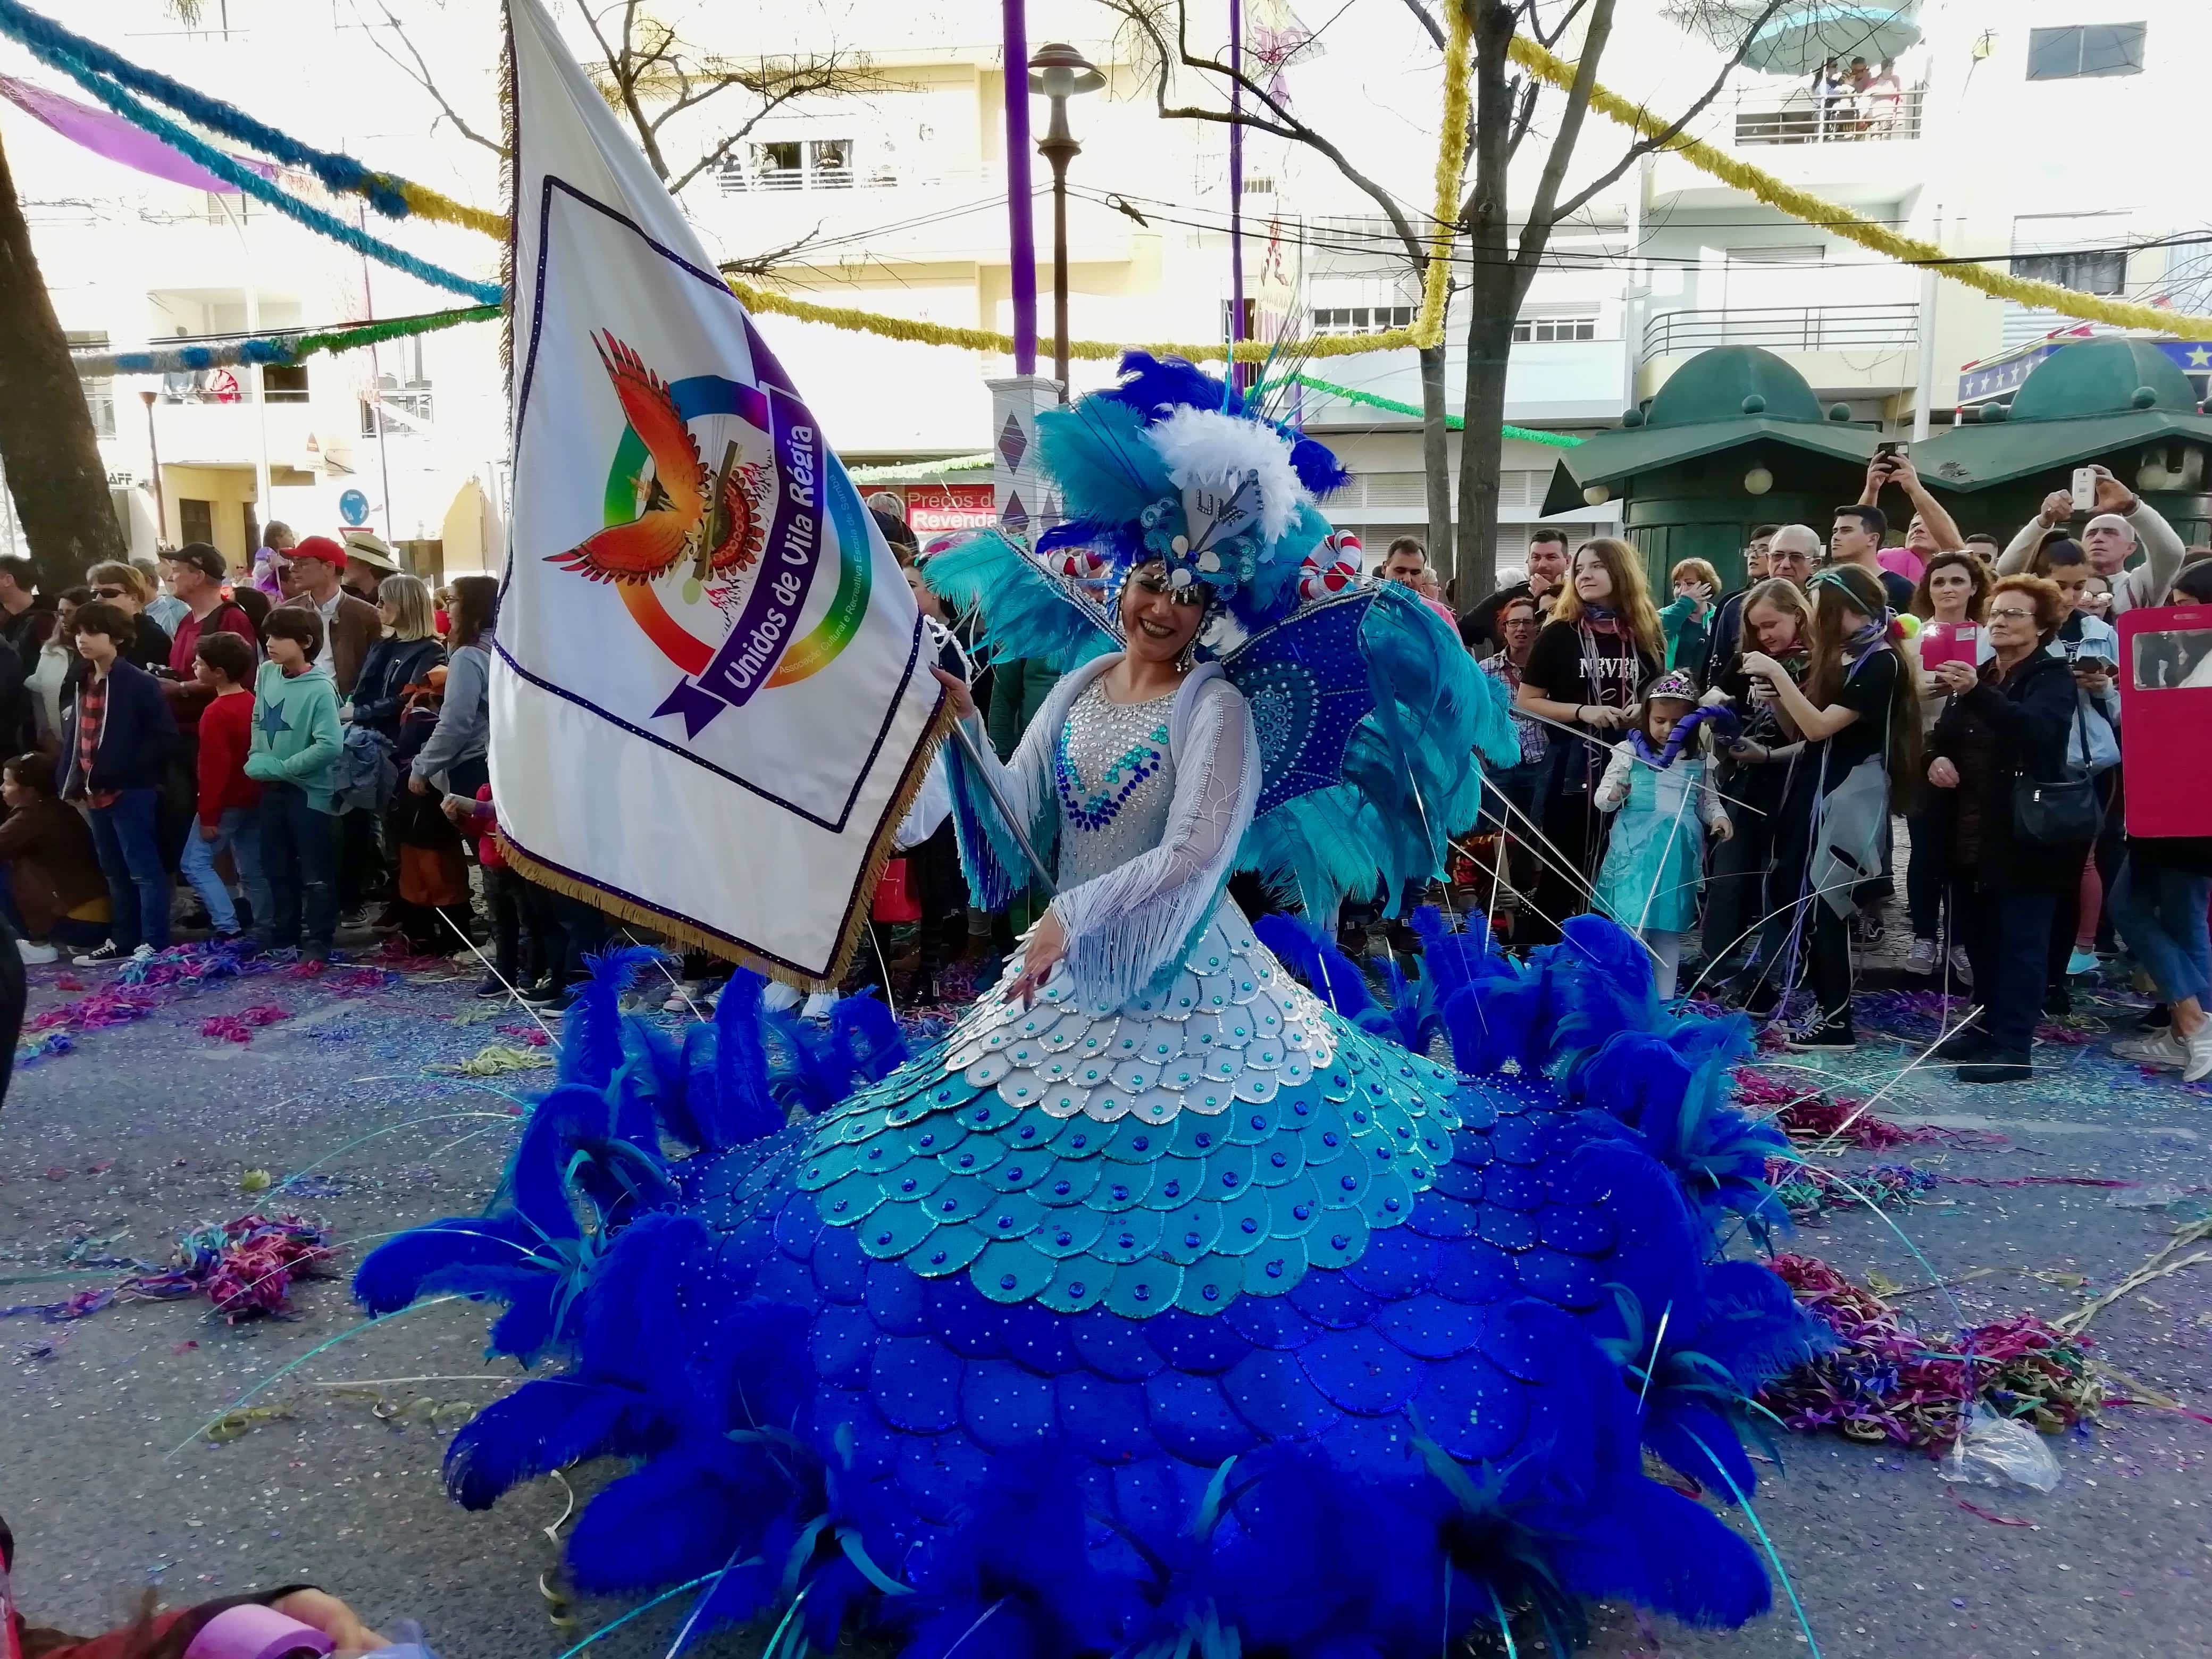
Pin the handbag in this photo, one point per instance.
(895, 899)
(2062, 814)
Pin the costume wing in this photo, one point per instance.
(1022, 611)
(1370, 716)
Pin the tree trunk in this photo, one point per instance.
(1436, 465)
(1492, 297)
(46, 440)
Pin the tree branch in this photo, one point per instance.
(760, 264)
(418, 71)
(1667, 135)
(1428, 21)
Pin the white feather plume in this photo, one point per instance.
(1206, 447)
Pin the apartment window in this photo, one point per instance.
(778, 166)
(829, 163)
(2086, 270)
(1361, 319)
(284, 383)
(1260, 184)
(2085, 50)
(99, 390)
(1544, 330)
(196, 520)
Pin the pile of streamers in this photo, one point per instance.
(1922, 1016)
(1887, 1383)
(195, 965)
(241, 1027)
(1808, 1192)
(94, 1012)
(497, 1058)
(244, 1267)
(30, 1050)
(1809, 1115)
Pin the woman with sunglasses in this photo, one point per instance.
(130, 590)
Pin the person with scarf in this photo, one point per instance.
(1603, 642)
(1659, 790)
(1859, 717)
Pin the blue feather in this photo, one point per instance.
(543, 1426)
(393, 1275)
(591, 1035)
(571, 1116)
(868, 1039)
(682, 1516)
(1097, 452)
(1601, 981)
(1311, 955)
(1645, 1543)
(743, 1109)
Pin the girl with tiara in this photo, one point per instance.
(1659, 788)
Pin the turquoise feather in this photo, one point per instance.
(1097, 452)
(1021, 610)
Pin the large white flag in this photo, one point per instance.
(710, 701)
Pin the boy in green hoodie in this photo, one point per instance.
(294, 756)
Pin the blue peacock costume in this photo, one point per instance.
(1189, 1307)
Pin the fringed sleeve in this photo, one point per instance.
(990, 856)
(1130, 925)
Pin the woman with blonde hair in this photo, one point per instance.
(130, 590)
(1602, 643)
(402, 656)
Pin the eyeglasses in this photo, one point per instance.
(106, 593)
(2015, 616)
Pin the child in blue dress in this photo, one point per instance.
(1662, 797)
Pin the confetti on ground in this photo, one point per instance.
(1887, 1381)
(535, 1035)
(1809, 1191)
(496, 1058)
(244, 1267)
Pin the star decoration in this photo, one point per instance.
(272, 718)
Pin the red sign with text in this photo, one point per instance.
(2166, 718)
(932, 509)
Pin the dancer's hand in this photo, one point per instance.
(1047, 944)
(957, 694)
(326, 1613)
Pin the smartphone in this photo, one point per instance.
(1942, 642)
(2085, 488)
(1887, 447)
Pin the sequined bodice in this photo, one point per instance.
(1115, 782)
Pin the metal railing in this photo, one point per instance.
(1803, 116)
(1782, 328)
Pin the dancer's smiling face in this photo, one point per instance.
(1159, 619)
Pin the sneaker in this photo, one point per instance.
(1923, 959)
(1962, 969)
(100, 956)
(1832, 1037)
(2081, 962)
(550, 999)
(1960, 1046)
(2199, 1046)
(2161, 1050)
(1998, 1067)
(491, 986)
(36, 955)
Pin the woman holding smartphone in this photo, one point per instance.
(1951, 599)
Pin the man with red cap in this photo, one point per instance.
(350, 626)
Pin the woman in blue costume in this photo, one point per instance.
(1160, 1306)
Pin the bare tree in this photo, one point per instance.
(663, 85)
(1500, 264)
(1160, 30)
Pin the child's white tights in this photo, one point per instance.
(1667, 959)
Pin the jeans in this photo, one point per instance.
(2160, 915)
(299, 862)
(2007, 933)
(239, 830)
(131, 858)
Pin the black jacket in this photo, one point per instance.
(138, 734)
(2005, 729)
(390, 668)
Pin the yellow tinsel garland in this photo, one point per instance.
(1815, 209)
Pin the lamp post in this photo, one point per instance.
(154, 448)
(1061, 72)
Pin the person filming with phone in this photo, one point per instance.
(2121, 525)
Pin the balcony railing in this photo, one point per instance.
(1800, 116)
(1782, 328)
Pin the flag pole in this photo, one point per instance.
(1013, 818)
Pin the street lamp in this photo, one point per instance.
(154, 448)
(1061, 72)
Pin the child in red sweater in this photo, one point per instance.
(223, 663)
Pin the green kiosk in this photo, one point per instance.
(1736, 438)
(2118, 402)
